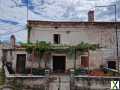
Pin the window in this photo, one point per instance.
(112, 64)
(56, 38)
(84, 61)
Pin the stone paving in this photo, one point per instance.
(60, 82)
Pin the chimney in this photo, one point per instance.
(91, 16)
(12, 41)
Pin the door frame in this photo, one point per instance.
(16, 59)
(58, 55)
(88, 60)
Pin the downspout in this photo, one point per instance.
(29, 31)
(33, 58)
(75, 59)
(88, 59)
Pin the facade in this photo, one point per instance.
(68, 33)
(72, 33)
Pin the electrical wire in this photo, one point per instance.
(14, 28)
(11, 32)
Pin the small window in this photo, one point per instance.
(56, 38)
(112, 64)
(84, 61)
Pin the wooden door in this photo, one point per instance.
(20, 64)
(58, 63)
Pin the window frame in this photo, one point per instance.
(56, 38)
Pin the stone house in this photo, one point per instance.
(69, 33)
(3, 45)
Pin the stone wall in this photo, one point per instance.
(26, 84)
(93, 83)
(95, 34)
(72, 35)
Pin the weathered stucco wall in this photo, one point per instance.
(96, 34)
(11, 56)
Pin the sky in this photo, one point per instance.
(13, 13)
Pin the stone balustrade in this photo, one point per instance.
(25, 82)
(92, 82)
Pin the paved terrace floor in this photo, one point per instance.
(60, 82)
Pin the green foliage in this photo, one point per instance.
(81, 71)
(2, 77)
(17, 84)
(71, 52)
(41, 47)
(83, 47)
(29, 46)
(38, 71)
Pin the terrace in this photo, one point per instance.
(41, 78)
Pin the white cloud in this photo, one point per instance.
(50, 10)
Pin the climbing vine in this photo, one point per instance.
(83, 47)
(40, 47)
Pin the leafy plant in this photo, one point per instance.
(29, 47)
(36, 71)
(83, 47)
(41, 47)
(81, 71)
(2, 76)
(71, 51)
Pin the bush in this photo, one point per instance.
(2, 77)
(27, 71)
(81, 71)
(37, 71)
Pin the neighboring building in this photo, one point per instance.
(3, 45)
(70, 33)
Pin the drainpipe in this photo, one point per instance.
(32, 60)
(75, 58)
(116, 33)
(29, 31)
(117, 41)
(88, 60)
